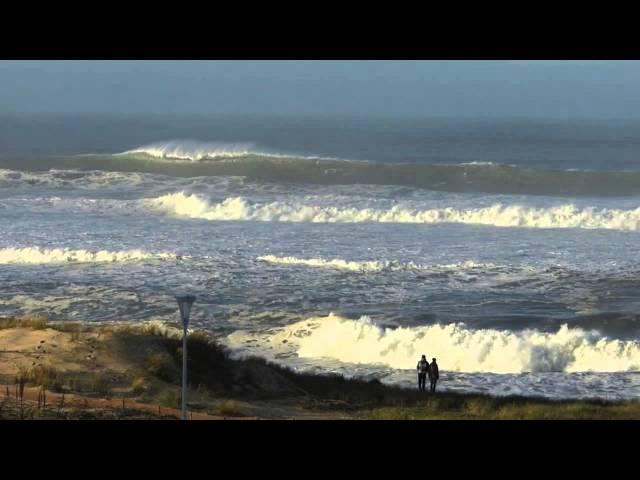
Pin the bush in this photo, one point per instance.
(171, 398)
(162, 366)
(100, 384)
(230, 408)
(46, 377)
(139, 386)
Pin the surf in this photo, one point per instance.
(185, 205)
(457, 347)
(246, 159)
(373, 266)
(41, 256)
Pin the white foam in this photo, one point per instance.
(90, 179)
(36, 255)
(238, 208)
(370, 266)
(193, 150)
(457, 347)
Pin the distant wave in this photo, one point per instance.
(456, 347)
(36, 255)
(185, 205)
(371, 266)
(192, 158)
(91, 180)
(195, 151)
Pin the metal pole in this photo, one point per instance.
(184, 373)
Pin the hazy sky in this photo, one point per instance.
(597, 89)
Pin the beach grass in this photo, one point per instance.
(230, 408)
(469, 407)
(35, 322)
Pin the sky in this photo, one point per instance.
(548, 89)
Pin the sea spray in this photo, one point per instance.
(36, 255)
(186, 205)
(457, 347)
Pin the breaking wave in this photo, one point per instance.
(456, 347)
(195, 151)
(370, 266)
(35, 255)
(186, 205)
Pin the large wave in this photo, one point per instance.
(456, 347)
(192, 158)
(186, 205)
(195, 151)
(36, 255)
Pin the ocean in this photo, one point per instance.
(506, 248)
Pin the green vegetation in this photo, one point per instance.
(46, 377)
(161, 365)
(170, 397)
(230, 408)
(139, 386)
(101, 384)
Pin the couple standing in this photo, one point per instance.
(425, 369)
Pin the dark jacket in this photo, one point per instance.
(425, 365)
(434, 372)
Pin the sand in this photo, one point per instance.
(89, 353)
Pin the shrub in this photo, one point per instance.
(170, 397)
(46, 377)
(100, 384)
(139, 386)
(230, 408)
(161, 365)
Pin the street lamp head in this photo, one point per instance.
(185, 302)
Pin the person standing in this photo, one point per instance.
(423, 370)
(434, 375)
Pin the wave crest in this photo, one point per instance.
(35, 255)
(186, 205)
(195, 151)
(368, 266)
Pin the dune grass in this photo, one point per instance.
(230, 408)
(508, 409)
(42, 376)
(35, 322)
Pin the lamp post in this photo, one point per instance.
(184, 302)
